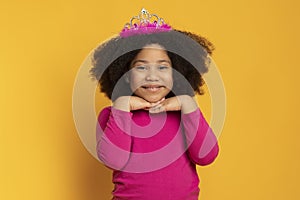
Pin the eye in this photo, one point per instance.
(163, 67)
(140, 67)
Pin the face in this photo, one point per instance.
(150, 76)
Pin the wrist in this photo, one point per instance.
(122, 103)
(188, 104)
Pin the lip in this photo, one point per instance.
(152, 88)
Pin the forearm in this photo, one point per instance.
(202, 143)
(113, 138)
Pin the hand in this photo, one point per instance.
(184, 103)
(137, 103)
(170, 104)
(128, 103)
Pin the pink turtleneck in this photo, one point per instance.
(154, 156)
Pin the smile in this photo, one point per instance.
(152, 88)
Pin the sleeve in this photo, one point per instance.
(202, 143)
(113, 137)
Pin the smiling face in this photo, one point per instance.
(150, 76)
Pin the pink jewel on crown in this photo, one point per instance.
(144, 23)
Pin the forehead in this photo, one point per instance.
(152, 52)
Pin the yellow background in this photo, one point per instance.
(43, 44)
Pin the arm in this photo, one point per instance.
(113, 131)
(202, 143)
(113, 141)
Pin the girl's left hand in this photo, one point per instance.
(184, 103)
(170, 104)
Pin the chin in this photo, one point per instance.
(153, 100)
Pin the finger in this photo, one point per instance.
(161, 100)
(140, 105)
(157, 109)
(147, 105)
(156, 103)
(169, 107)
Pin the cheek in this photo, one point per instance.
(134, 81)
(169, 80)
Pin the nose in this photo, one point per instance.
(152, 75)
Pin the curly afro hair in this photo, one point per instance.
(188, 52)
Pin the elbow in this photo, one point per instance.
(209, 157)
(112, 156)
(114, 161)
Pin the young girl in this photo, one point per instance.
(154, 134)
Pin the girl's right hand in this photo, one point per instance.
(128, 103)
(137, 103)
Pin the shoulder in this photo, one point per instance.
(105, 111)
(104, 115)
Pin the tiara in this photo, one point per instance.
(144, 23)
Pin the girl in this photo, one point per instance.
(154, 134)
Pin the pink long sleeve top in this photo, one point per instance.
(154, 156)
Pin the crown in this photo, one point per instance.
(144, 23)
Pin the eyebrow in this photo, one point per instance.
(145, 61)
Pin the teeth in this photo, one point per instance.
(152, 88)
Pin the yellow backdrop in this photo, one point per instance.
(43, 44)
